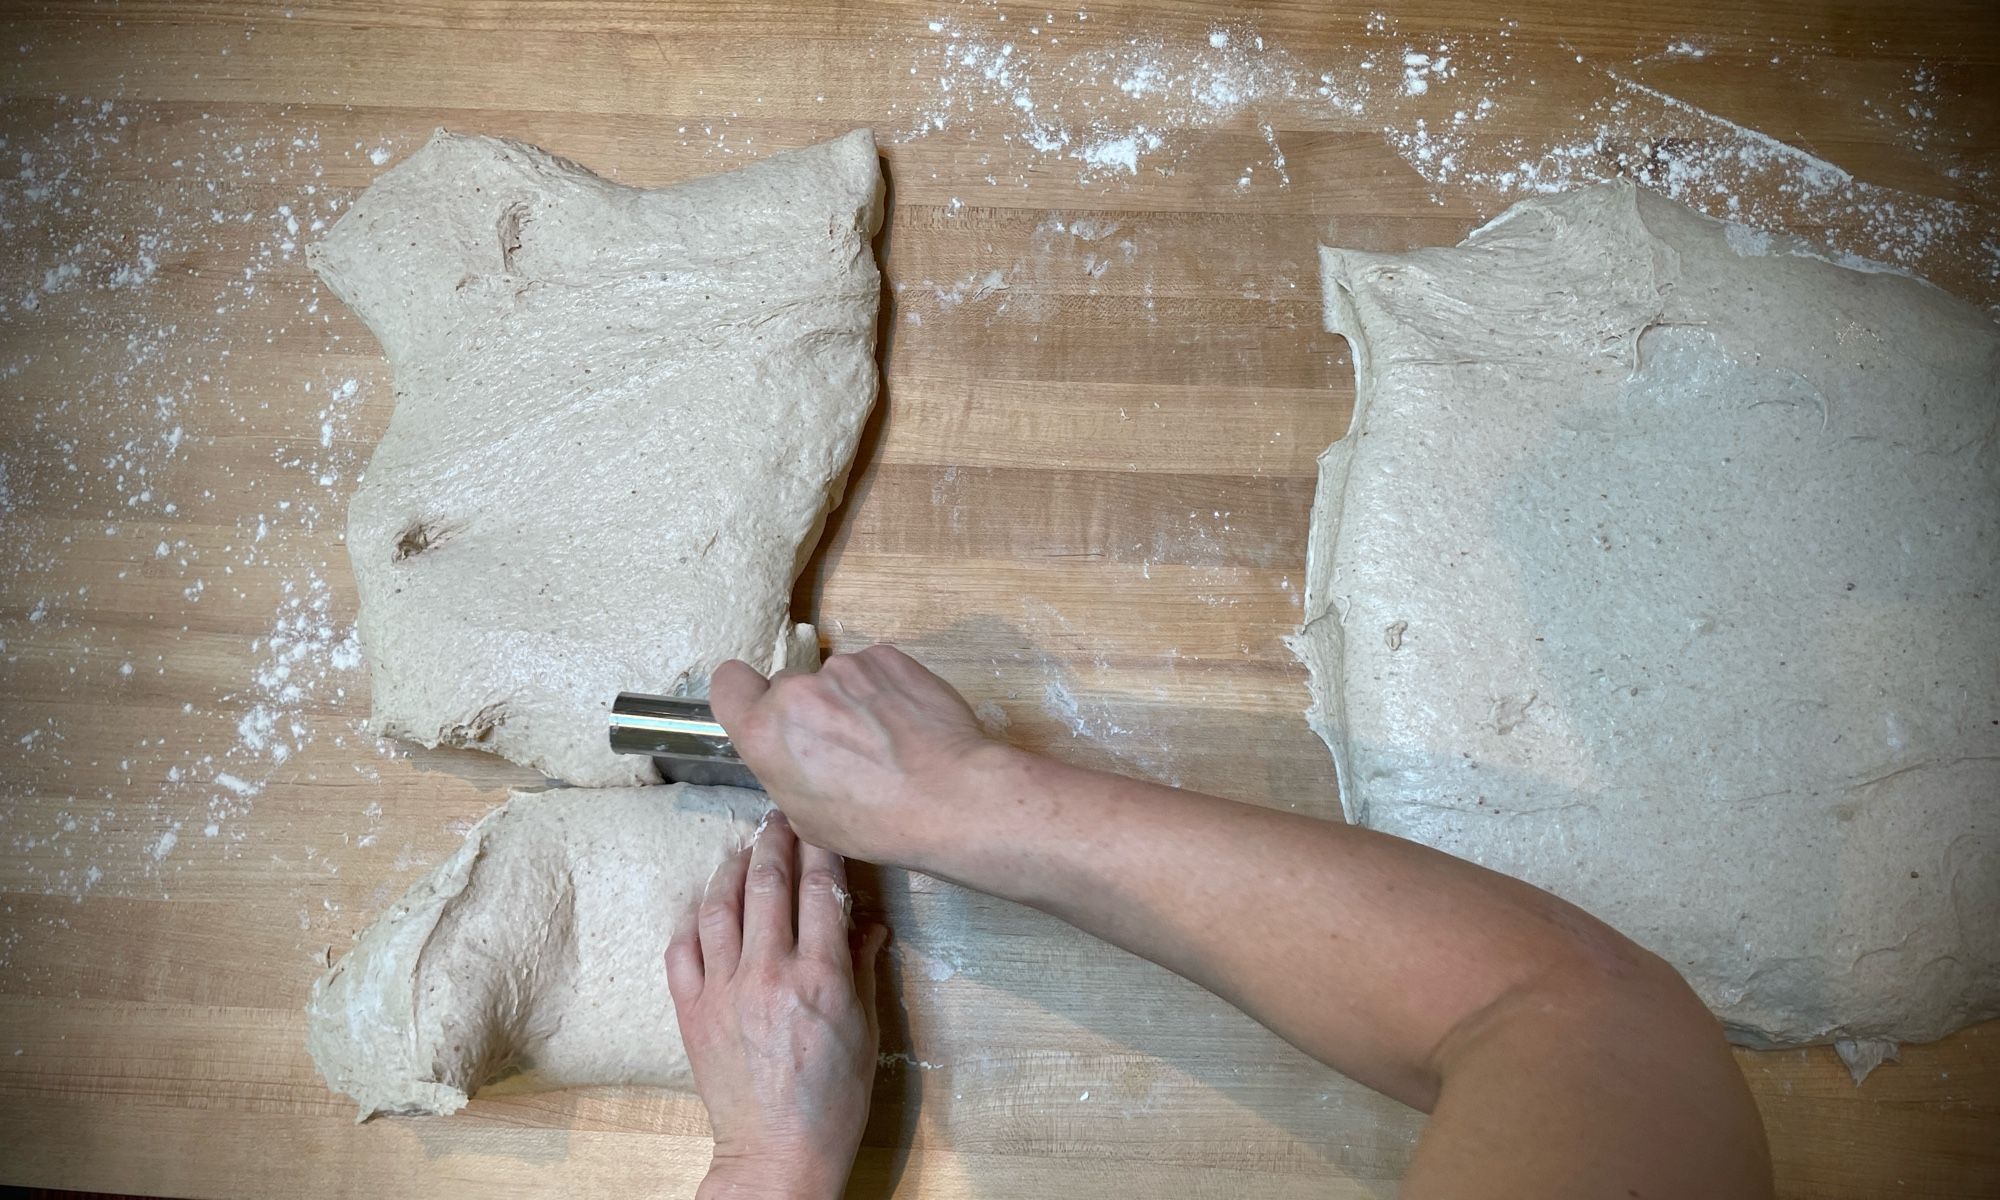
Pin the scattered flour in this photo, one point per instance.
(1086, 703)
(1109, 108)
(119, 440)
(974, 287)
(1062, 93)
(165, 845)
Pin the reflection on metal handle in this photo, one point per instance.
(683, 737)
(642, 724)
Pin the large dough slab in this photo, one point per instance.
(622, 417)
(538, 949)
(1661, 568)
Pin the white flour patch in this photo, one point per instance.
(1093, 724)
(1122, 152)
(943, 945)
(1059, 93)
(1085, 703)
(165, 845)
(1745, 241)
(986, 287)
(164, 313)
(1718, 166)
(1112, 109)
(947, 493)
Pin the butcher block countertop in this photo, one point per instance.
(1083, 500)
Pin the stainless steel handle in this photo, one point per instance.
(668, 726)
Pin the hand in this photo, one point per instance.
(865, 756)
(780, 1026)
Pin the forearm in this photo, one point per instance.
(1366, 951)
(1539, 1039)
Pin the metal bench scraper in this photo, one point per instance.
(683, 738)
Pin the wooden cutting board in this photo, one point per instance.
(1083, 501)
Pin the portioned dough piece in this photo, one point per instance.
(1661, 568)
(621, 419)
(538, 946)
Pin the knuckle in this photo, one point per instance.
(819, 881)
(787, 691)
(817, 981)
(767, 877)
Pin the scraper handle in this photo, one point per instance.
(668, 725)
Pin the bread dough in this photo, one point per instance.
(1661, 568)
(621, 419)
(538, 947)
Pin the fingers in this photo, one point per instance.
(885, 655)
(865, 958)
(684, 973)
(768, 893)
(873, 670)
(822, 905)
(894, 664)
(719, 921)
(733, 688)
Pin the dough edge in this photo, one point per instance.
(1320, 642)
(365, 1028)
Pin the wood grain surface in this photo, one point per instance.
(1083, 500)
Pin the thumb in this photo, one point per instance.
(732, 690)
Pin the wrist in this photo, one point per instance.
(742, 1178)
(984, 801)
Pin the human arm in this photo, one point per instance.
(1556, 1057)
(777, 1010)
